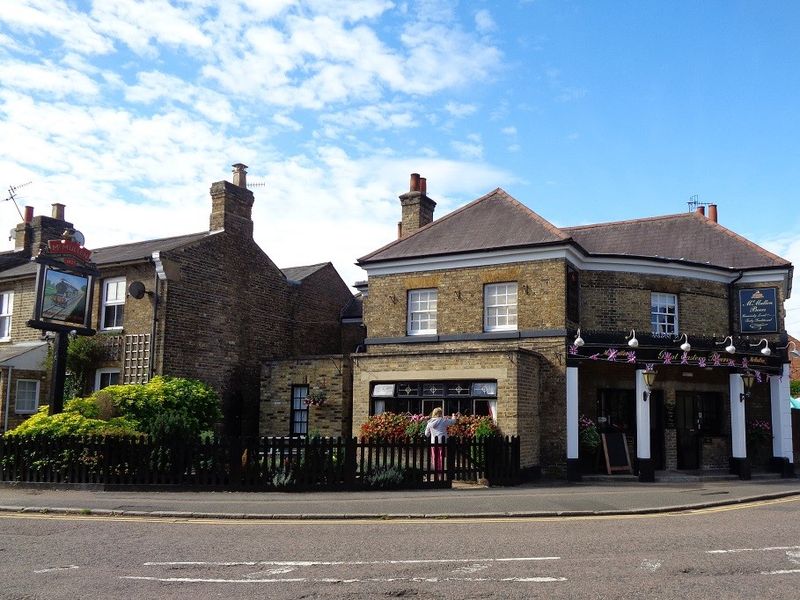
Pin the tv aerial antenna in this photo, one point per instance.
(12, 193)
(694, 202)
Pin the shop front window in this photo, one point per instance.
(421, 397)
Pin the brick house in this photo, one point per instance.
(493, 310)
(209, 305)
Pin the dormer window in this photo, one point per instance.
(113, 303)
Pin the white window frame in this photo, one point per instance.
(499, 311)
(26, 411)
(299, 409)
(6, 310)
(98, 374)
(116, 301)
(660, 305)
(422, 315)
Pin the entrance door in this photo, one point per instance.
(687, 426)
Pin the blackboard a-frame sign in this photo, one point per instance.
(615, 448)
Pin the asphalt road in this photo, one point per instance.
(743, 551)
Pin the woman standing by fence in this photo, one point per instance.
(436, 429)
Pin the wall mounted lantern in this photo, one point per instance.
(649, 380)
(747, 381)
(578, 339)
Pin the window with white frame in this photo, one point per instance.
(298, 421)
(6, 308)
(500, 306)
(113, 303)
(663, 314)
(422, 311)
(106, 377)
(27, 396)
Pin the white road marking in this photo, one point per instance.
(51, 569)
(474, 568)
(312, 563)
(271, 572)
(782, 572)
(768, 549)
(793, 556)
(336, 580)
(650, 565)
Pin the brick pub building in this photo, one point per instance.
(493, 310)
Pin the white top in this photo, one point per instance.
(437, 428)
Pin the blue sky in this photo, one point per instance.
(585, 111)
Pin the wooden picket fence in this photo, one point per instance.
(268, 463)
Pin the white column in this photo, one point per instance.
(738, 439)
(781, 415)
(642, 417)
(572, 412)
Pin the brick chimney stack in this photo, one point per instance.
(232, 204)
(34, 231)
(712, 212)
(417, 208)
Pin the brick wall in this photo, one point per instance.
(223, 315)
(316, 306)
(540, 297)
(331, 373)
(614, 301)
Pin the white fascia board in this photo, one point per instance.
(644, 266)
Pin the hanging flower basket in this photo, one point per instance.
(315, 397)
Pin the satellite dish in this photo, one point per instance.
(136, 289)
(78, 237)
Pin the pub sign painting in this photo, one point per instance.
(758, 311)
(64, 297)
(64, 286)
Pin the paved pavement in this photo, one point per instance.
(605, 496)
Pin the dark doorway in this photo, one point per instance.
(697, 414)
(657, 429)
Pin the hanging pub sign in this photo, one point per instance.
(64, 287)
(758, 310)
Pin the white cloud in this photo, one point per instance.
(469, 151)
(510, 131)
(287, 122)
(56, 18)
(47, 78)
(460, 110)
(154, 86)
(484, 21)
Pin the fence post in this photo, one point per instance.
(451, 459)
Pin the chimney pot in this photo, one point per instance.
(701, 210)
(240, 175)
(58, 211)
(28, 214)
(712, 212)
(414, 182)
(399, 229)
(423, 185)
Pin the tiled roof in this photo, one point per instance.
(300, 273)
(686, 236)
(496, 221)
(493, 221)
(122, 253)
